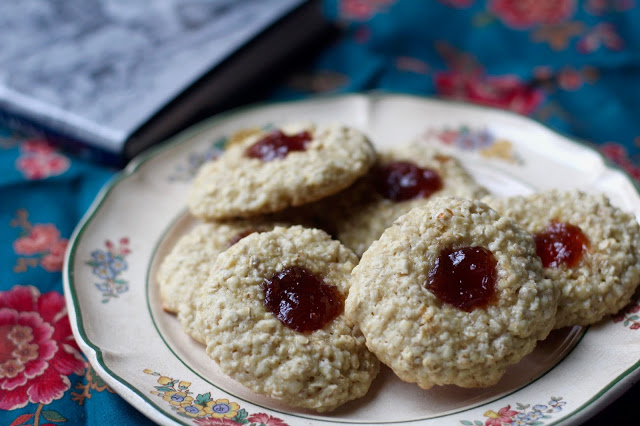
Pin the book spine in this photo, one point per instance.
(30, 128)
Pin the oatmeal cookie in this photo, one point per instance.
(363, 212)
(186, 268)
(425, 324)
(316, 368)
(602, 277)
(260, 174)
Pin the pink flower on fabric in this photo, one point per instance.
(40, 166)
(55, 258)
(569, 79)
(507, 92)
(599, 7)
(265, 419)
(42, 241)
(37, 349)
(602, 35)
(40, 238)
(362, 9)
(543, 72)
(522, 14)
(38, 146)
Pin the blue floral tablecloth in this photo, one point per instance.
(573, 65)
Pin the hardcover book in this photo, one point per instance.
(112, 77)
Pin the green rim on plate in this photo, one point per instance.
(613, 389)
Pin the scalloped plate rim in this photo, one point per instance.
(615, 387)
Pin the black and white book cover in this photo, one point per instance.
(96, 70)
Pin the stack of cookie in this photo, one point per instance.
(265, 294)
(420, 274)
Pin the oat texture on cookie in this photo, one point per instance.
(186, 268)
(270, 170)
(317, 368)
(597, 273)
(403, 178)
(430, 340)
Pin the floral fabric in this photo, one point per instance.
(573, 65)
(44, 378)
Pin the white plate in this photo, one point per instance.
(142, 353)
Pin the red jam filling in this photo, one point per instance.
(278, 145)
(240, 236)
(560, 244)
(300, 300)
(402, 180)
(464, 277)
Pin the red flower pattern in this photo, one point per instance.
(265, 419)
(39, 160)
(37, 349)
(42, 166)
(601, 35)
(53, 260)
(43, 240)
(522, 14)
(362, 10)
(507, 92)
(38, 146)
(504, 415)
(632, 308)
(39, 239)
(569, 79)
(600, 7)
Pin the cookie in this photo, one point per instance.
(301, 350)
(268, 171)
(422, 295)
(186, 268)
(363, 212)
(598, 272)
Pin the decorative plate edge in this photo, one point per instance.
(130, 393)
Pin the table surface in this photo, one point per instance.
(573, 65)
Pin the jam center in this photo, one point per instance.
(300, 300)
(464, 277)
(560, 244)
(402, 180)
(278, 145)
